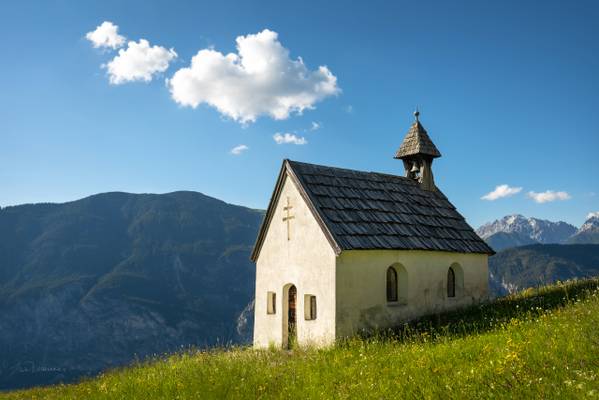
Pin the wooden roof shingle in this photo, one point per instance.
(369, 210)
(417, 141)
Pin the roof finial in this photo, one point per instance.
(416, 114)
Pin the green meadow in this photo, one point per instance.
(541, 343)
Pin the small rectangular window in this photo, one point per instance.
(309, 307)
(271, 303)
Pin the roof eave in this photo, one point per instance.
(286, 169)
(268, 215)
(487, 253)
(402, 156)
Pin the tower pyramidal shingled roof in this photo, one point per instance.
(417, 141)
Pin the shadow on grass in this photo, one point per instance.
(488, 316)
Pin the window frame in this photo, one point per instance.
(392, 285)
(451, 283)
(271, 303)
(310, 307)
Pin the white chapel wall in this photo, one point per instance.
(308, 262)
(361, 286)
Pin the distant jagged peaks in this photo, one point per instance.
(517, 230)
(503, 240)
(588, 232)
(591, 224)
(522, 228)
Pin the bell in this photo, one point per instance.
(415, 167)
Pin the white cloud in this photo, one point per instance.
(593, 214)
(237, 150)
(548, 196)
(501, 191)
(315, 126)
(106, 35)
(139, 62)
(284, 138)
(260, 79)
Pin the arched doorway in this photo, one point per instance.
(290, 316)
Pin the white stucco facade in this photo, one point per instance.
(361, 301)
(307, 261)
(350, 286)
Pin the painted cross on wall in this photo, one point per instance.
(288, 217)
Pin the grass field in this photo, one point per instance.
(541, 343)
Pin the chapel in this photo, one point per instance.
(341, 251)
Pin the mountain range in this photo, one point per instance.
(103, 281)
(99, 282)
(519, 268)
(517, 230)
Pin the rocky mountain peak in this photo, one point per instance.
(538, 230)
(591, 224)
(588, 232)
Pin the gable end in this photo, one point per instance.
(287, 171)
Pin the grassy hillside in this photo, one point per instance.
(538, 344)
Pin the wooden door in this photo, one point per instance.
(292, 317)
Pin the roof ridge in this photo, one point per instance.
(351, 170)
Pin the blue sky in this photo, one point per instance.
(508, 91)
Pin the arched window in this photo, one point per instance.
(450, 282)
(391, 284)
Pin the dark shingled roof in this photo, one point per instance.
(417, 141)
(369, 210)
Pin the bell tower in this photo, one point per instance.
(417, 152)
